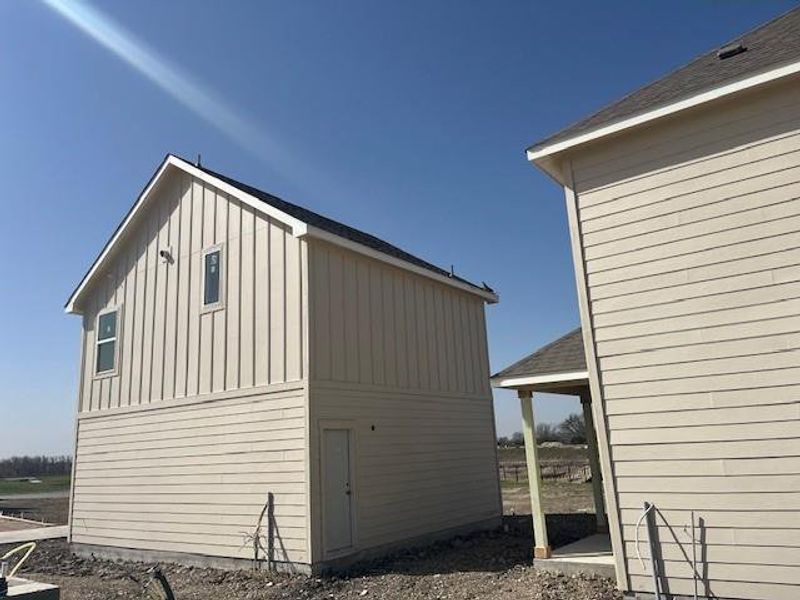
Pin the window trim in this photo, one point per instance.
(116, 339)
(220, 303)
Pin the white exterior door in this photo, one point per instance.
(336, 474)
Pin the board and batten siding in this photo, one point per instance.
(401, 360)
(190, 477)
(375, 324)
(169, 347)
(689, 235)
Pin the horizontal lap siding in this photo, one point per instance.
(194, 478)
(691, 241)
(424, 462)
(168, 346)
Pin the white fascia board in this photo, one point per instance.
(320, 234)
(514, 382)
(537, 155)
(298, 227)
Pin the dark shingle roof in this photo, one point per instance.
(564, 355)
(768, 46)
(334, 227)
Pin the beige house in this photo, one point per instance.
(684, 211)
(240, 354)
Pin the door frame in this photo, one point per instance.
(349, 426)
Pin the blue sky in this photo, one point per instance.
(406, 119)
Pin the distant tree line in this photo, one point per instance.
(571, 430)
(35, 466)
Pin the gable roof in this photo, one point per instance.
(303, 223)
(771, 51)
(562, 356)
(334, 227)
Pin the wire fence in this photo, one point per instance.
(558, 470)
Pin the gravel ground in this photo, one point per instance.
(492, 565)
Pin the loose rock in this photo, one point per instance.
(491, 566)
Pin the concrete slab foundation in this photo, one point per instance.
(664, 596)
(181, 558)
(34, 534)
(24, 589)
(588, 555)
(339, 564)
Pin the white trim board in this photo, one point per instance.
(319, 234)
(513, 382)
(298, 226)
(299, 229)
(542, 156)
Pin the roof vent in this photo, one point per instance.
(731, 50)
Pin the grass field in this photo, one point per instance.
(559, 496)
(50, 483)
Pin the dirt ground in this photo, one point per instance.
(492, 566)
(53, 510)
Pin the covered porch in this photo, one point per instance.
(560, 368)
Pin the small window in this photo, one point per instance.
(212, 276)
(106, 342)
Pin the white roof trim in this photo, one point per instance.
(70, 306)
(319, 234)
(536, 155)
(513, 382)
(299, 229)
(298, 226)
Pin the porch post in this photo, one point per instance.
(542, 547)
(594, 463)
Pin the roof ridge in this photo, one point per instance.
(299, 219)
(331, 225)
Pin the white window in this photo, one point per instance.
(212, 277)
(106, 354)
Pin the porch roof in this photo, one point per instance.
(558, 367)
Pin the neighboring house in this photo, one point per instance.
(684, 210)
(237, 347)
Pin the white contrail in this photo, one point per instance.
(202, 101)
